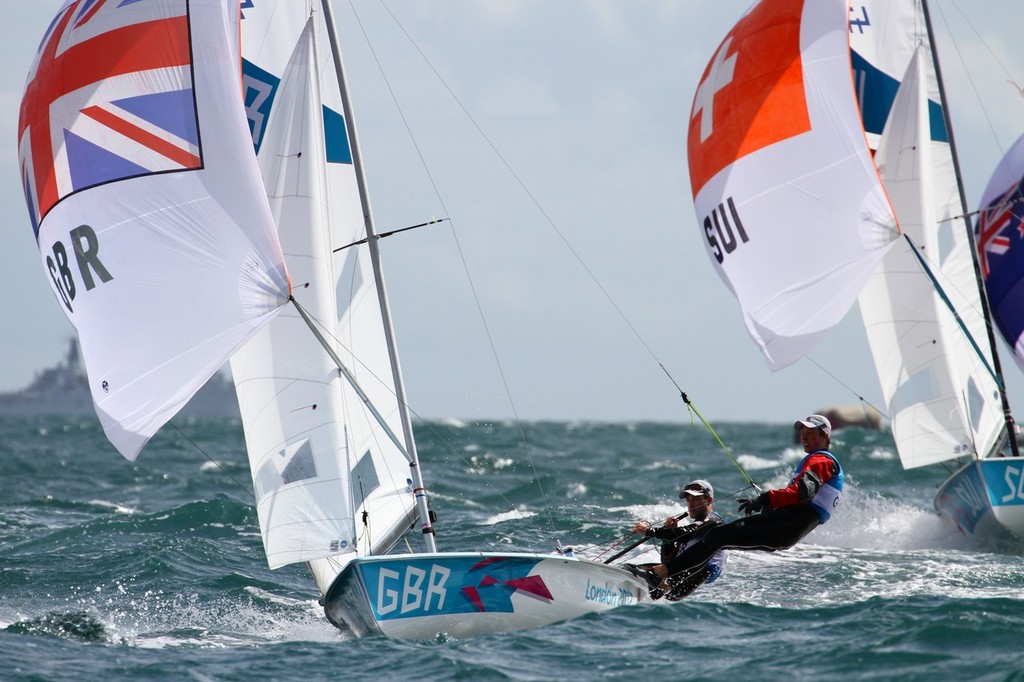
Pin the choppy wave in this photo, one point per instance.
(155, 569)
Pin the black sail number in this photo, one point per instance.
(724, 231)
(85, 246)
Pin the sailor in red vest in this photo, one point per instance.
(775, 519)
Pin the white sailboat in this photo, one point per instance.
(925, 310)
(825, 223)
(169, 261)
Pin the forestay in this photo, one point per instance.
(319, 458)
(146, 201)
(937, 381)
(790, 206)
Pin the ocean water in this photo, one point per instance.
(154, 570)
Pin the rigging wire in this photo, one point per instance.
(476, 298)
(964, 19)
(248, 491)
(550, 221)
(472, 466)
(725, 448)
(944, 297)
(862, 399)
(382, 235)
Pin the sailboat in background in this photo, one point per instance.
(925, 309)
(857, 203)
(172, 249)
(332, 443)
(318, 441)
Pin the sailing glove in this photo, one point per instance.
(751, 505)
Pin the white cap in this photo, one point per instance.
(698, 488)
(815, 421)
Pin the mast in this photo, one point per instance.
(964, 212)
(385, 310)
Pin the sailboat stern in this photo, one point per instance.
(467, 594)
(985, 498)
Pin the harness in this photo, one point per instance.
(826, 498)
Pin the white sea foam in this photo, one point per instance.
(869, 520)
(513, 515)
(755, 463)
(155, 620)
(655, 513)
(119, 508)
(882, 454)
(453, 422)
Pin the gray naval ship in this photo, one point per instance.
(63, 390)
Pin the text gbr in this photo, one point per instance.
(86, 248)
(417, 591)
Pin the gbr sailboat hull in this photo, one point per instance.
(464, 594)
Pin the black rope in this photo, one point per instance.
(248, 492)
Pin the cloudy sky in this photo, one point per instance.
(572, 268)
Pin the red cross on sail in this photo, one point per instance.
(751, 94)
(789, 204)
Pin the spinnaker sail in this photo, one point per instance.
(790, 206)
(146, 200)
(999, 235)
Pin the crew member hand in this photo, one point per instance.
(751, 505)
(641, 527)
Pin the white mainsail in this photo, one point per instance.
(937, 380)
(330, 481)
(147, 202)
(788, 201)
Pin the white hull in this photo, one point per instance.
(421, 596)
(985, 498)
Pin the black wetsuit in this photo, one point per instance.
(770, 530)
(673, 541)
